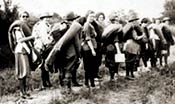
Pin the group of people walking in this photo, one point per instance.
(59, 47)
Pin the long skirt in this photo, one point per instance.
(90, 64)
(22, 65)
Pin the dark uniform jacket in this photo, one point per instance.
(167, 34)
(132, 42)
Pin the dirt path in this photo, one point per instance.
(42, 97)
(124, 96)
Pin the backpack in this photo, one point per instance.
(57, 32)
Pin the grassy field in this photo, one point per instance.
(153, 87)
(9, 84)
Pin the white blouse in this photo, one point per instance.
(20, 45)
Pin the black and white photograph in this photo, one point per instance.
(87, 52)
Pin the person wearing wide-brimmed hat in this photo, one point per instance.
(41, 29)
(45, 15)
(113, 17)
(70, 16)
(144, 54)
(132, 36)
(167, 33)
(166, 19)
(156, 39)
(112, 37)
(133, 18)
(68, 48)
(43, 43)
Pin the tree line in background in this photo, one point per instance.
(7, 15)
(169, 10)
(10, 13)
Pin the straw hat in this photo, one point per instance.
(133, 18)
(145, 20)
(45, 15)
(166, 19)
(71, 16)
(112, 16)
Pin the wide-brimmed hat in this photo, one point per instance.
(71, 16)
(112, 16)
(133, 18)
(166, 19)
(145, 20)
(45, 15)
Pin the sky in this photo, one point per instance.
(144, 8)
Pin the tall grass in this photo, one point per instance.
(10, 85)
(154, 87)
(91, 95)
(158, 87)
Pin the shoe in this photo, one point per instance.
(23, 96)
(99, 77)
(50, 86)
(26, 96)
(76, 84)
(132, 76)
(61, 84)
(87, 85)
(49, 68)
(129, 78)
(45, 85)
(42, 88)
(112, 79)
(92, 85)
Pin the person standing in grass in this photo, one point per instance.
(156, 40)
(89, 46)
(145, 22)
(67, 59)
(19, 35)
(43, 45)
(165, 28)
(112, 37)
(132, 37)
(99, 26)
(67, 50)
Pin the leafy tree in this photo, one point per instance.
(169, 10)
(7, 15)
